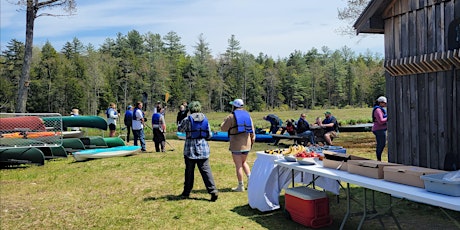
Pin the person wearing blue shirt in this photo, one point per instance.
(196, 150)
(303, 129)
(128, 120)
(331, 126)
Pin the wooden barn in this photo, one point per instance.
(422, 63)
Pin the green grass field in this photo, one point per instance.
(140, 192)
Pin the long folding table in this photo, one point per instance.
(393, 189)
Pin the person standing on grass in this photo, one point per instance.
(159, 129)
(128, 120)
(183, 111)
(240, 129)
(379, 128)
(196, 150)
(138, 126)
(112, 116)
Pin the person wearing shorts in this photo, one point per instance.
(240, 128)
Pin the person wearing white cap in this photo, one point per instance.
(74, 113)
(240, 129)
(379, 128)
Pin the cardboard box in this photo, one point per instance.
(409, 175)
(337, 160)
(369, 168)
(308, 207)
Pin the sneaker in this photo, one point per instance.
(240, 188)
(214, 196)
(184, 196)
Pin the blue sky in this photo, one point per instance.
(276, 28)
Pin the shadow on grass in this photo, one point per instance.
(179, 197)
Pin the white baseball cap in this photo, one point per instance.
(382, 99)
(237, 103)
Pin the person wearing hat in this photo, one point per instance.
(128, 120)
(331, 127)
(74, 113)
(196, 150)
(379, 127)
(240, 130)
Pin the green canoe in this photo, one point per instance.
(80, 121)
(114, 141)
(93, 142)
(53, 152)
(72, 143)
(16, 156)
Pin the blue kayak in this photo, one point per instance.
(118, 151)
(223, 136)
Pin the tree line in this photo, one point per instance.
(146, 67)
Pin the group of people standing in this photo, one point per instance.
(135, 121)
(240, 128)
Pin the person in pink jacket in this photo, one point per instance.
(379, 128)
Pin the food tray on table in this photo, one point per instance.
(306, 160)
(290, 158)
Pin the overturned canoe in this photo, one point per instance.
(114, 141)
(15, 156)
(93, 142)
(80, 121)
(25, 123)
(53, 152)
(105, 153)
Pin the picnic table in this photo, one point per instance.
(317, 131)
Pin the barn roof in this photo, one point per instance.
(371, 19)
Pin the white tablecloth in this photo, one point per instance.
(268, 179)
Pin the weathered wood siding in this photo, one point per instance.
(423, 127)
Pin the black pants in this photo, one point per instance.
(159, 139)
(128, 132)
(206, 174)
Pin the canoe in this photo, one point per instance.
(93, 142)
(31, 135)
(105, 153)
(73, 134)
(80, 121)
(114, 141)
(17, 156)
(223, 136)
(367, 127)
(53, 152)
(25, 123)
(71, 144)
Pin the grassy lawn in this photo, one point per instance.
(140, 192)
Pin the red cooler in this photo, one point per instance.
(308, 207)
